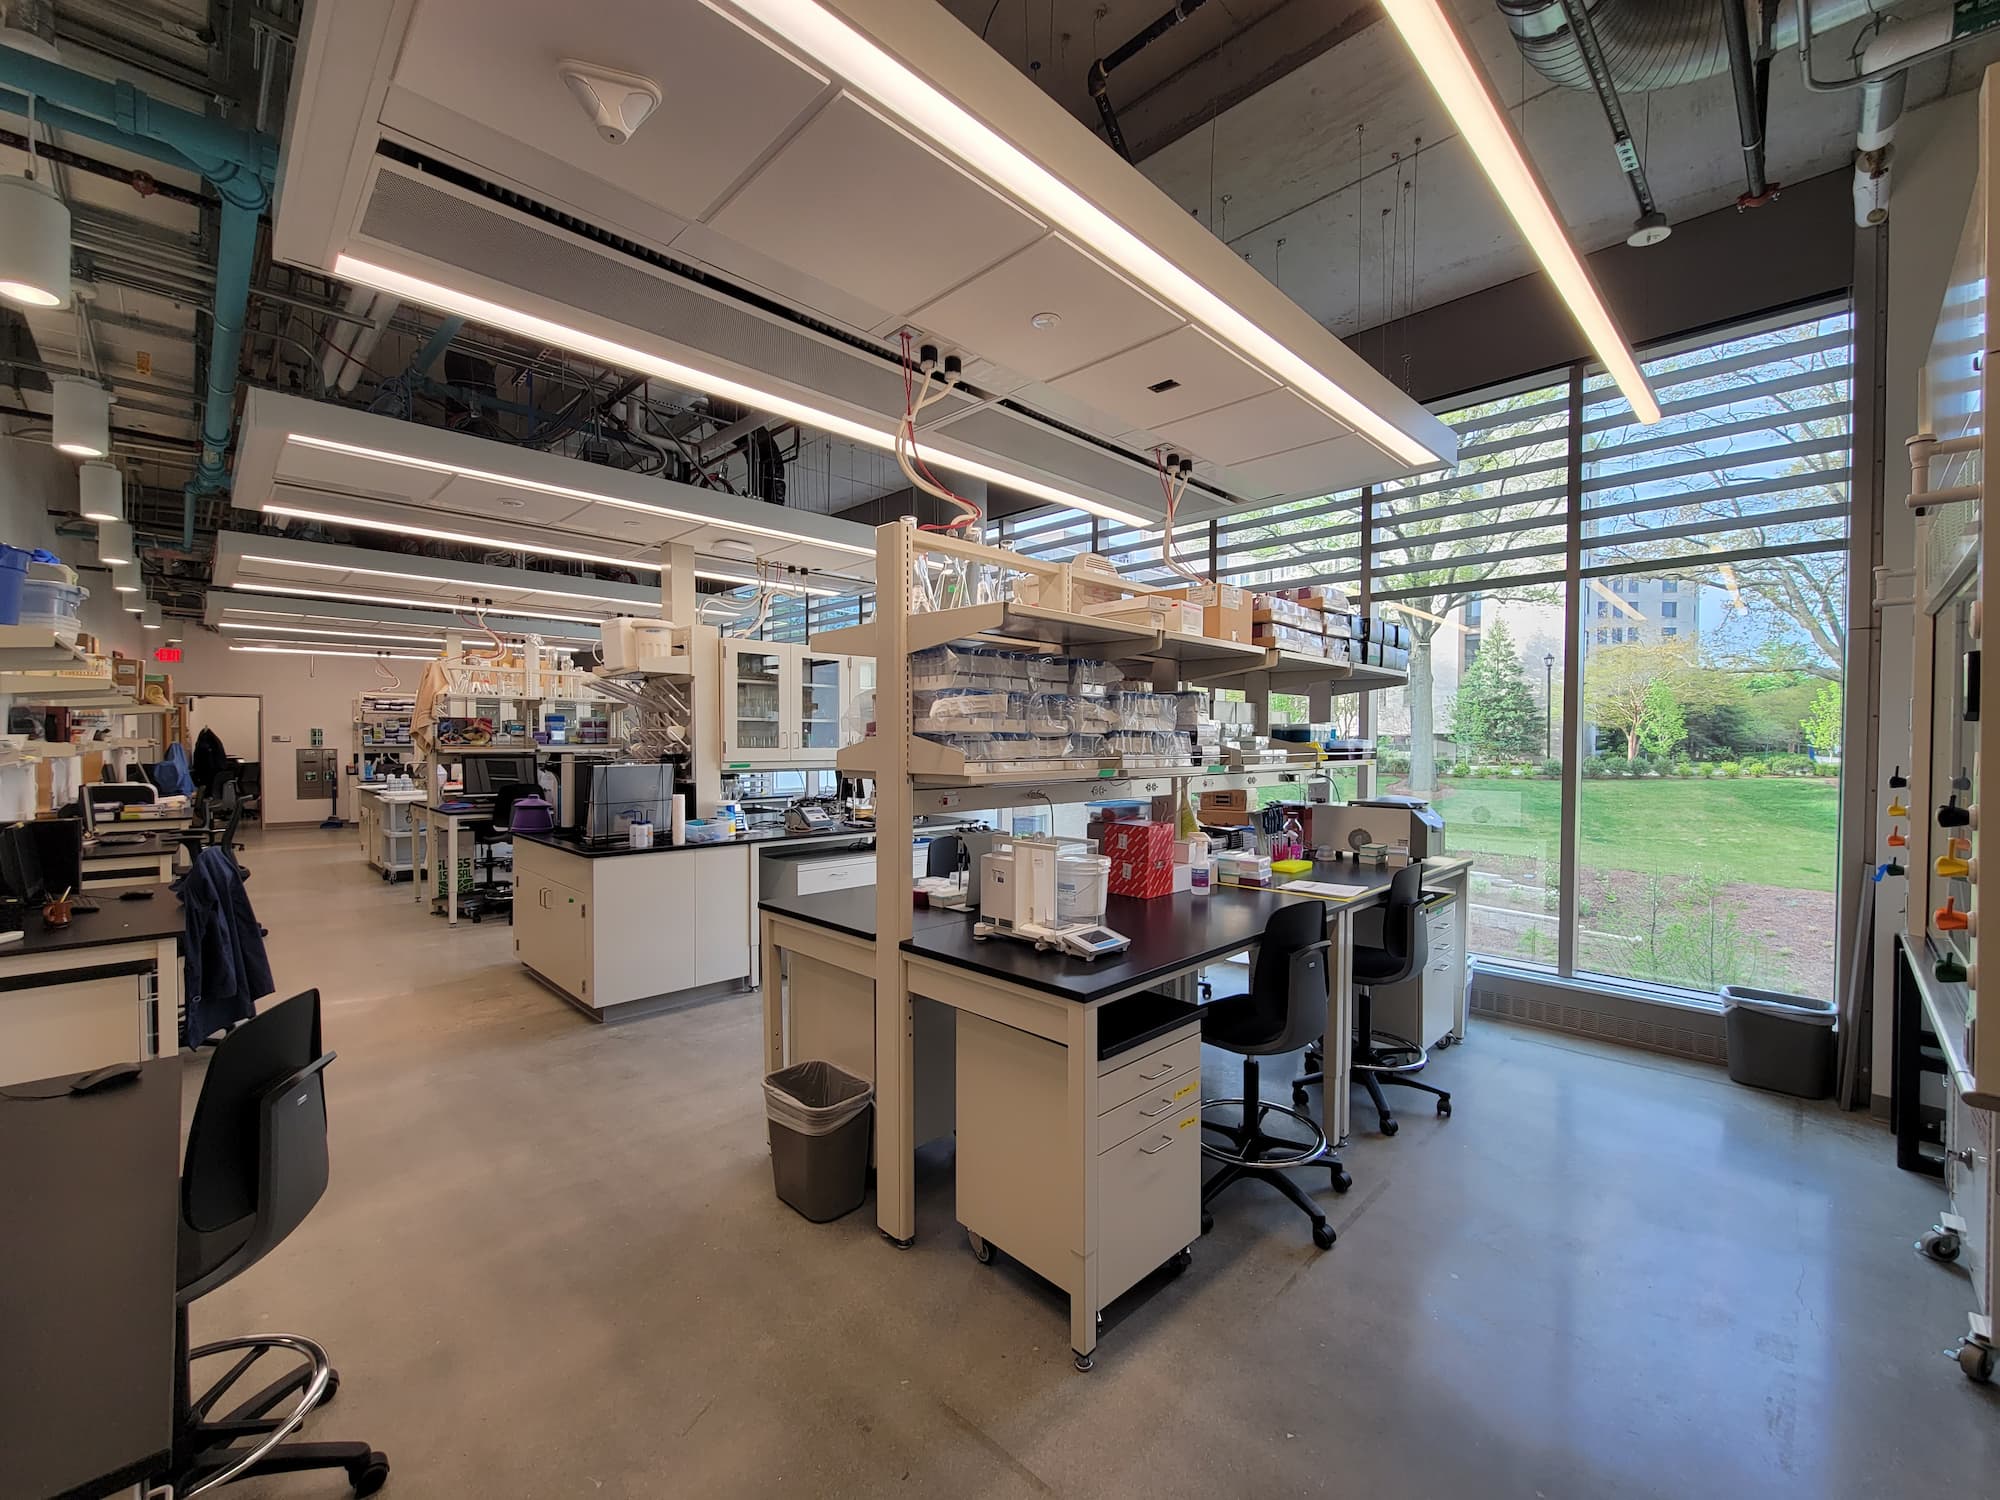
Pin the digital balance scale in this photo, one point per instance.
(1017, 899)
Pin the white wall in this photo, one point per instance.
(35, 480)
(1937, 153)
(300, 694)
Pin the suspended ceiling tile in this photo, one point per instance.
(482, 498)
(859, 204)
(726, 95)
(1098, 312)
(1175, 376)
(351, 474)
(1272, 423)
(1317, 469)
(740, 263)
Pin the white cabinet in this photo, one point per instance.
(781, 704)
(552, 932)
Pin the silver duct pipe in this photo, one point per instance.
(1649, 44)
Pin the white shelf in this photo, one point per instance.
(1295, 672)
(936, 767)
(24, 648)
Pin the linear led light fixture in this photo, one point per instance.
(464, 583)
(832, 43)
(358, 630)
(607, 351)
(368, 626)
(401, 528)
(1462, 87)
(452, 606)
(316, 651)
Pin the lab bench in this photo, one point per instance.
(148, 860)
(1078, 1153)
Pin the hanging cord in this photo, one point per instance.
(1175, 473)
(478, 622)
(384, 671)
(909, 459)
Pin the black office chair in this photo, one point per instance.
(499, 829)
(256, 1164)
(1284, 1009)
(941, 855)
(250, 787)
(1380, 1057)
(217, 819)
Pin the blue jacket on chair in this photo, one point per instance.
(222, 946)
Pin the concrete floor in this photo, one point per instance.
(551, 1264)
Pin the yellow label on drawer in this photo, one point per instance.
(1193, 1119)
(1187, 1088)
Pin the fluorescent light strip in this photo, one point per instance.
(608, 601)
(293, 591)
(498, 315)
(861, 63)
(371, 626)
(398, 528)
(1462, 87)
(360, 629)
(316, 651)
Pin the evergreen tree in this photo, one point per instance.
(1496, 713)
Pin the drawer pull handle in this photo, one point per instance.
(1162, 1108)
(1165, 1069)
(1165, 1141)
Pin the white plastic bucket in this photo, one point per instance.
(1082, 883)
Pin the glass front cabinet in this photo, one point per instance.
(781, 704)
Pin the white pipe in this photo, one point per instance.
(332, 361)
(1882, 107)
(365, 341)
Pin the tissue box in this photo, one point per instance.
(1142, 858)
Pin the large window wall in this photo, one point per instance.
(1682, 585)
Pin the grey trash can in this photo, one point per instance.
(821, 1118)
(1780, 1042)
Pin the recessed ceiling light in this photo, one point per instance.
(1045, 321)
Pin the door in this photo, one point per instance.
(753, 680)
(821, 682)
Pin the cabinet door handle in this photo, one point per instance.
(1161, 1108)
(1165, 1069)
(1165, 1141)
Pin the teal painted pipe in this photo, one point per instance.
(240, 164)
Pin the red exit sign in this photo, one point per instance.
(167, 653)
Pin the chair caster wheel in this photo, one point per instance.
(371, 1475)
(332, 1389)
(1207, 1221)
(1444, 1109)
(1299, 1095)
(1390, 1127)
(1341, 1181)
(1085, 1364)
(981, 1251)
(1323, 1235)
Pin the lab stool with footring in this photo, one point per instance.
(256, 1164)
(491, 894)
(1380, 1058)
(1285, 1007)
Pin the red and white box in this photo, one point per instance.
(1142, 858)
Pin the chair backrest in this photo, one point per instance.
(257, 1145)
(1405, 934)
(941, 856)
(1289, 980)
(504, 800)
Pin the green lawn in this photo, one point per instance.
(1772, 831)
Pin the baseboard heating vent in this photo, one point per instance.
(1656, 1025)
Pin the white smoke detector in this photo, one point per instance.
(617, 103)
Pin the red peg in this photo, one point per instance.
(1948, 918)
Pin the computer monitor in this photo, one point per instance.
(41, 859)
(486, 774)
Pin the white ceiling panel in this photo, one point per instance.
(725, 94)
(1274, 422)
(1100, 313)
(482, 497)
(837, 198)
(1317, 469)
(1197, 374)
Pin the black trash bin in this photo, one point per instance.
(1781, 1042)
(821, 1120)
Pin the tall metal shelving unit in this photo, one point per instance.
(914, 776)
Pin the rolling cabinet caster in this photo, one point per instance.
(1341, 1181)
(1183, 1258)
(981, 1251)
(1975, 1357)
(1323, 1235)
(1085, 1364)
(1940, 1244)
(899, 1244)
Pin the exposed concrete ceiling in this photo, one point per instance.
(1341, 180)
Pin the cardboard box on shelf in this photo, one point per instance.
(1152, 611)
(1225, 609)
(1288, 638)
(1224, 809)
(1142, 858)
(1277, 609)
